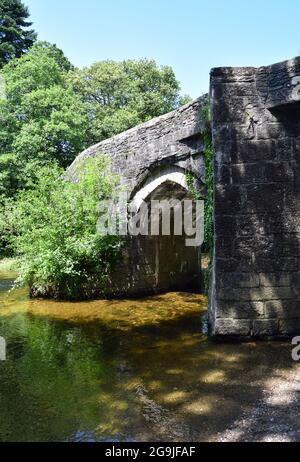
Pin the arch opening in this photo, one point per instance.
(165, 262)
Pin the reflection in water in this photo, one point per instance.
(122, 370)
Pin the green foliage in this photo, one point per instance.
(53, 230)
(15, 37)
(209, 202)
(43, 67)
(8, 126)
(8, 174)
(9, 265)
(120, 95)
(52, 126)
(42, 120)
(208, 181)
(206, 278)
(190, 179)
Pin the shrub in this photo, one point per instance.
(53, 230)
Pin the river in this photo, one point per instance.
(140, 370)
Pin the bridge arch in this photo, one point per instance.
(152, 160)
(172, 175)
(165, 262)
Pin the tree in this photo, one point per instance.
(42, 67)
(15, 37)
(41, 120)
(120, 95)
(52, 128)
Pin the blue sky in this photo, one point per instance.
(192, 36)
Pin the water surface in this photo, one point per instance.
(123, 370)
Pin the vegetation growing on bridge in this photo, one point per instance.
(208, 199)
(208, 180)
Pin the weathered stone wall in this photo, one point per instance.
(172, 139)
(157, 153)
(256, 136)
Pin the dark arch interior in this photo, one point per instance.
(174, 265)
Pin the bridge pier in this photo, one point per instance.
(256, 138)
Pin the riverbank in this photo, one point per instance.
(275, 417)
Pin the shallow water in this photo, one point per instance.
(123, 370)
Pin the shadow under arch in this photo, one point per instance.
(158, 262)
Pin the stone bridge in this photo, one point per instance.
(152, 161)
(256, 138)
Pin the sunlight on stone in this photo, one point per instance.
(154, 385)
(198, 407)
(174, 371)
(175, 396)
(276, 438)
(214, 377)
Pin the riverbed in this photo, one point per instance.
(141, 370)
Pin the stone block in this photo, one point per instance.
(285, 149)
(271, 265)
(269, 131)
(232, 328)
(248, 173)
(275, 279)
(258, 151)
(240, 310)
(264, 197)
(279, 172)
(263, 328)
(282, 309)
(289, 327)
(225, 225)
(228, 199)
(237, 280)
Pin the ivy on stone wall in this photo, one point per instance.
(190, 180)
(209, 201)
(209, 198)
(208, 181)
